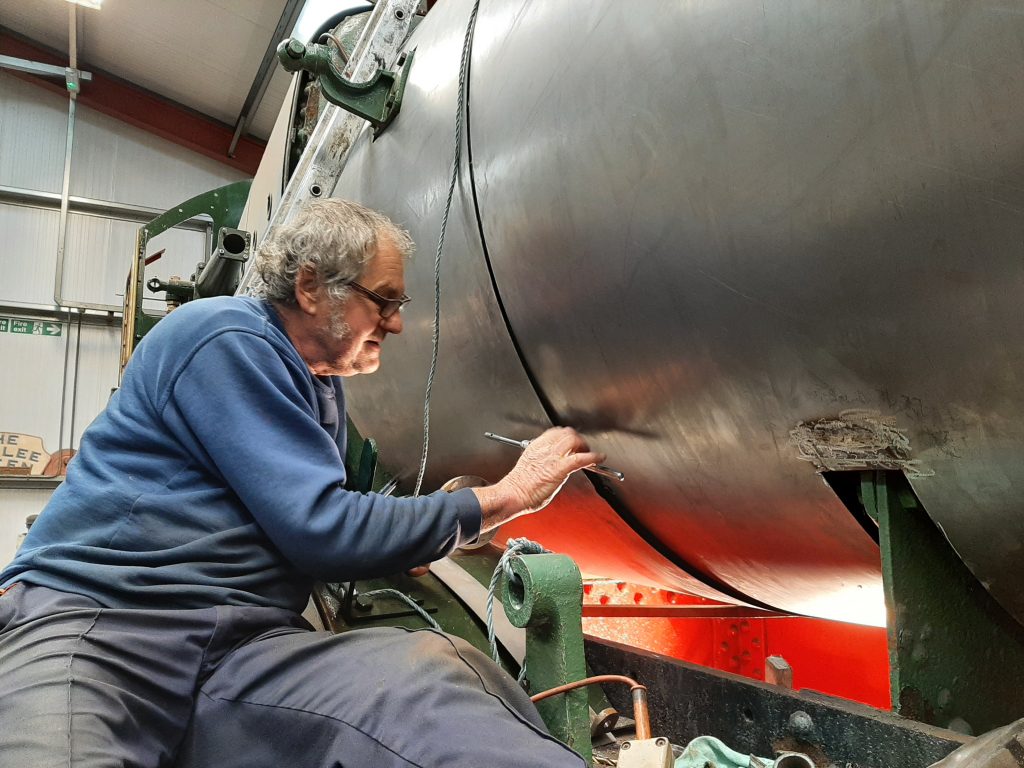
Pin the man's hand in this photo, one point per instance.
(537, 477)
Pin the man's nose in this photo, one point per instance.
(393, 324)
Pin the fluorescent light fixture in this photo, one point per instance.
(94, 4)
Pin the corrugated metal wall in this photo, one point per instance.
(52, 386)
(28, 253)
(32, 123)
(17, 504)
(114, 161)
(99, 252)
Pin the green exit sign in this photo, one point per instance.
(30, 327)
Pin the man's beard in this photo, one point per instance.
(337, 326)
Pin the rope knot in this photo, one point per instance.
(512, 548)
(517, 547)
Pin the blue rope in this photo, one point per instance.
(513, 547)
(405, 598)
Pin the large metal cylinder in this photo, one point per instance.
(709, 233)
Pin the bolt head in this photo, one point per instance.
(801, 725)
(295, 48)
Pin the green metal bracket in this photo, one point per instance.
(224, 205)
(546, 597)
(360, 460)
(377, 100)
(956, 657)
(364, 473)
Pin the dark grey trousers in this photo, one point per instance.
(81, 685)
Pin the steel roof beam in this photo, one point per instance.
(289, 15)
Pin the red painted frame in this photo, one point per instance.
(845, 660)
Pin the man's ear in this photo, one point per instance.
(308, 292)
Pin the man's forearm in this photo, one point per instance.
(499, 503)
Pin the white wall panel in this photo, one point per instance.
(112, 161)
(33, 125)
(100, 251)
(31, 375)
(97, 259)
(115, 161)
(15, 506)
(98, 352)
(28, 254)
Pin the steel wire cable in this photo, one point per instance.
(467, 45)
(399, 595)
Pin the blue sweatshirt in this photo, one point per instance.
(215, 477)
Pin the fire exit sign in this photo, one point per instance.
(30, 327)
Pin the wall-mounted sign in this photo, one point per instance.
(30, 327)
(25, 455)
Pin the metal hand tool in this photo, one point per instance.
(597, 469)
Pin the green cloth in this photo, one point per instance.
(709, 752)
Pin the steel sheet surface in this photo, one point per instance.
(708, 223)
(712, 221)
(480, 383)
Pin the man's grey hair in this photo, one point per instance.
(333, 237)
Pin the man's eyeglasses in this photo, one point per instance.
(386, 306)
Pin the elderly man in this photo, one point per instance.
(152, 616)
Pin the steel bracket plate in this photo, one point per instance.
(956, 657)
(545, 595)
(687, 701)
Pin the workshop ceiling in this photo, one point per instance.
(204, 54)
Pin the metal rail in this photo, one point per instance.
(87, 206)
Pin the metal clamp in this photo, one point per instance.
(377, 100)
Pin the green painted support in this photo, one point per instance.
(956, 657)
(363, 470)
(224, 205)
(378, 100)
(360, 460)
(546, 598)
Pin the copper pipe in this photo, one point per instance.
(640, 712)
(337, 44)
